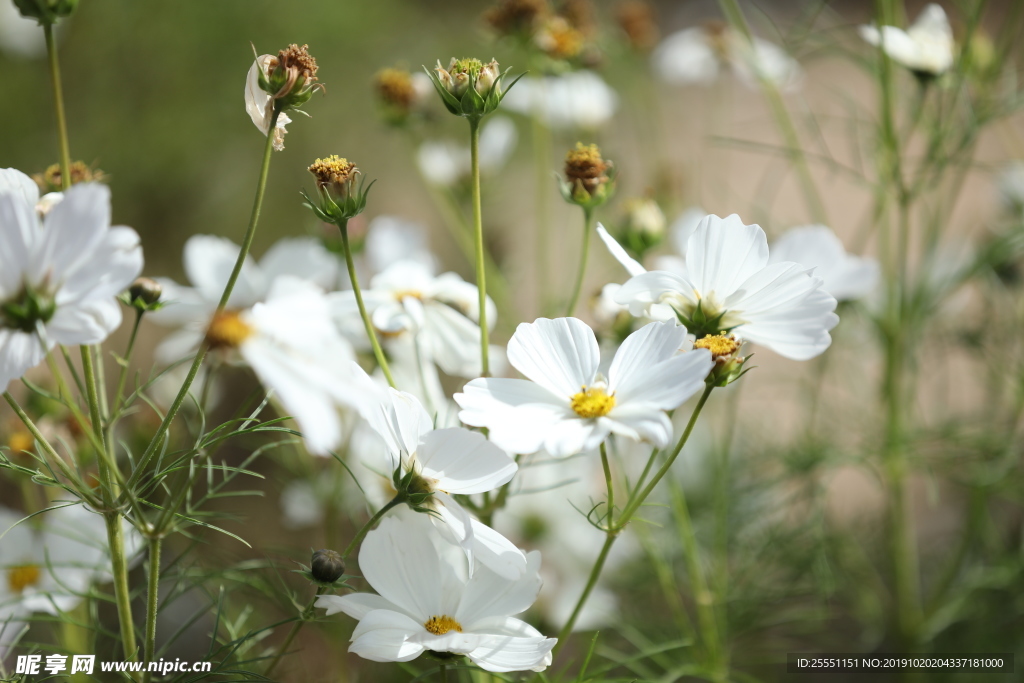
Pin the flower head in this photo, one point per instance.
(60, 275)
(260, 105)
(516, 17)
(844, 276)
(565, 406)
(400, 93)
(430, 599)
(559, 39)
(729, 284)
(575, 100)
(468, 87)
(290, 78)
(588, 179)
(50, 180)
(342, 195)
(926, 48)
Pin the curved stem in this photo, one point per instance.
(478, 225)
(254, 217)
(587, 213)
(152, 600)
(357, 539)
(58, 106)
(378, 352)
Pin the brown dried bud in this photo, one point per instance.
(395, 88)
(638, 21)
(559, 39)
(511, 17)
(584, 168)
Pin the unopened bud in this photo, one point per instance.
(587, 176)
(46, 11)
(145, 290)
(326, 566)
(468, 87)
(341, 195)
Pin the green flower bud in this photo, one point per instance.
(724, 350)
(340, 190)
(469, 87)
(46, 11)
(327, 566)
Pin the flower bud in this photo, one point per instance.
(399, 93)
(516, 17)
(469, 87)
(50, 180)
(145, 291)
(559, 40)
(644, 225)
(326, 566)
(637, 20)
(341, 194)
(724, 350)
(587, 180)
(46, 11)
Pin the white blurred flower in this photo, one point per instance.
(48, 563)
(429, 599)
(730, 285)
(447, 462)
(446, 163)
(208, 262)
(59, 275)
(260, 105)
(578, 99)
(698, 55)
(844, 276)
(926, 47)
(20, 36)
(565, 406)
(440, 312)
(390, 239)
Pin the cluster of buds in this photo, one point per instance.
(470, 88)
(638, 22)
(643, 226)
(725, 351)
(400, 93)
(340, 190)
(50, 180)
(588, 178)
(46, 11)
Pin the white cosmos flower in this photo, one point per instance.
(390, 239)
(565, 406)
(446, 163)
(441, 312)
(926, 47)
(697, 56)
(293, 347)
(448, 462)
(844, 276)
(59, 276)
(259, 104)
(47, 563)
(578, 99)
(208, 262)
(428, 599)
(730, 285)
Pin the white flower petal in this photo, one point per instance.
(209, 261)
(488, 594)
(631, 265)
(561, 354)
(384, 636)
(685, 57)
(355, 605)
(19, 352)
(301, 257)
(723, 253)
(399, 561)
(464, 462)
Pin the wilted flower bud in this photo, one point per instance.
(516, 17)
(327, 566)
(46, 11)
(50, 180)
(145, 291)
(637, 20)
(290, 78)
(587, 176)
(340, 189)
(469, 87)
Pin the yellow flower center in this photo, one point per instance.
(441, 625)
(333, 171)
(228, 330)
(720, 345)
(20, 578)
(408, 294)
(593, 402)
(21, 441)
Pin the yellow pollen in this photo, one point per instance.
(408, 293)
(593, 402)
(21, 441)
(227, 330)
(20, 578)
(441, 625)
(719, 345)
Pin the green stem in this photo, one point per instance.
(612, 532)
(165, 424)
(587, 213)
(296, 627)
(608, 483)
(478, 225)
(378, 352)
(442, 673)
(122, 377)
(58, 105)
(397, 500)
(122, 594)
(152, 601)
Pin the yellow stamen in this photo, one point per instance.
(408, 293)
(333, 171)
(720, 345)
(228, 330)
(593, 402)
(20, 578)
(441, 625)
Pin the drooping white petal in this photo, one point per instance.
(648, 368)
(257, 102)
(632, 266)
(385, 636)
(497, 553)
(464, 462)
(19, 351)
(356, 605)
(561, 355)
(487, 594)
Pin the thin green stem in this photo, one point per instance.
(608, 483)
(58, 106)
(442, 673)
(122, 594)
(584, 253)
(595, 574)
(296, 627)
(122, 377)
(165, 424)
(372, 522)
(478, 227)
(378, 352)
(152, 601)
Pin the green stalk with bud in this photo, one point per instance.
(588, 183)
